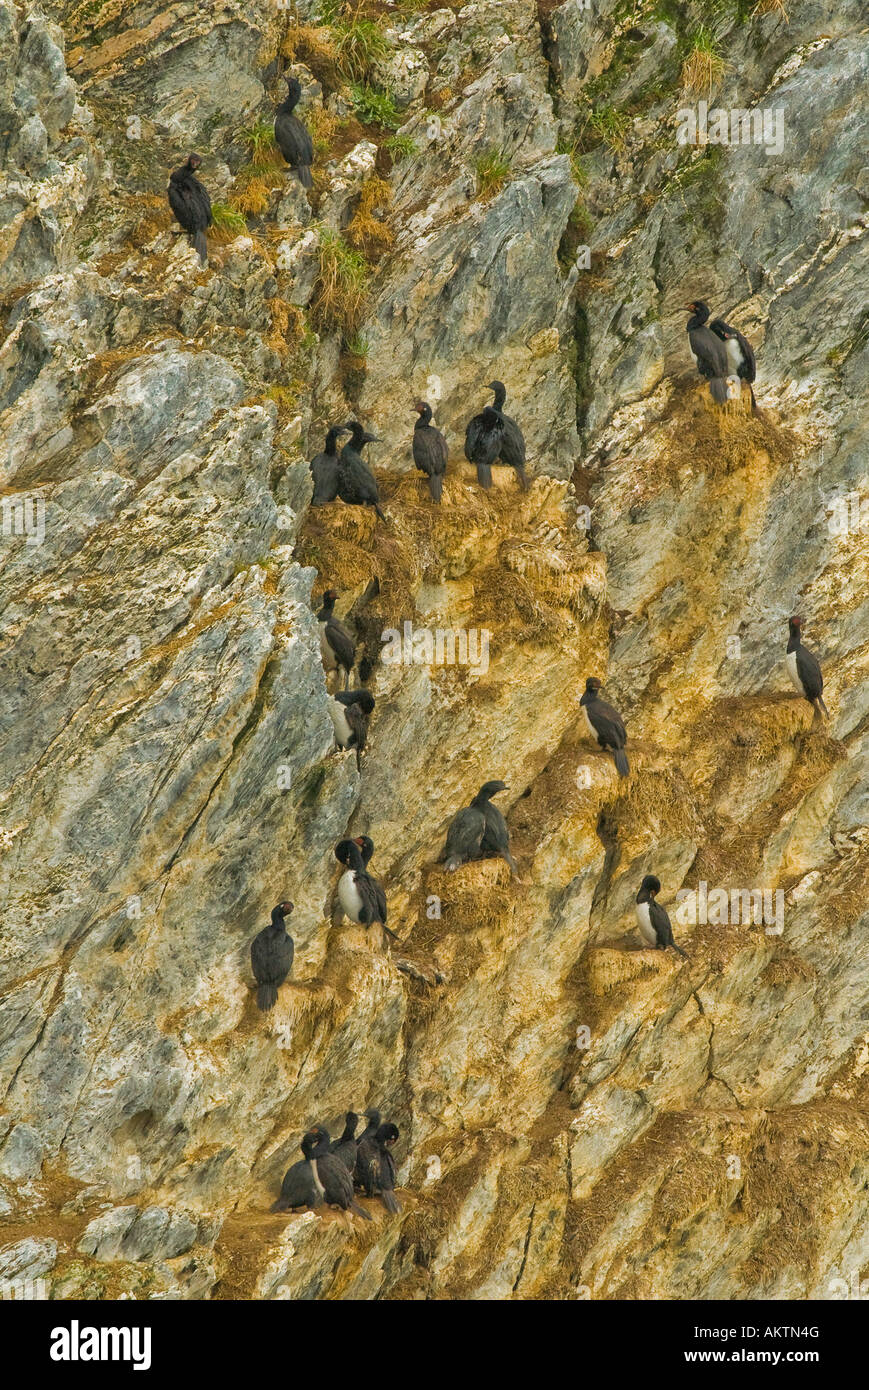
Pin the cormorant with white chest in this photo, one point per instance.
(605, 724)
(337, 645)
(652, 919)
(740, 355)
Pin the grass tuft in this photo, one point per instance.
(374, 106)
(611, 125)
(493, 171)
(227, 220)
(342, 284)
(400, 147)
(704, 65)
(260, 140)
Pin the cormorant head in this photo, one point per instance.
(795, 623)
(282, 910)
(651, 884)
(371, 438)
(330, 596)
(294, 87)
(387, 1134)
(698, 308)
(592, 685)
(194, 161)
(351, 1118)
(366, 846)
(313, 1139)
(365, 700)
(372, 1115)
(497, 386)
(343, 850)
(492, 788)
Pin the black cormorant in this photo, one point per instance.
(804, 668)
(271, 957)
(356, 483)
(709, 352)
(324, 469)
(373, 1118)
(740, 354)
(478, 830)
(337, 646)
(328, 1176)
(190, 203)
(292, 138)
(430, 452)
(484, 438)
(652, 919)
(375, 1166)
(345, 1147)
(605, 724)
(513, 440)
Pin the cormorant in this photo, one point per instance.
(652, 919)
(271, 957)
(327, 1180)
(190, 203)
(478, 830)
(513, 440)
(430, 452)
(376, 1166)
(302, 1185)
(356, 483)
(324, 469)
(605, 724)
(709, 352)
(740, 355)
(350, 711)
(345, 1147)
(484, 438)
(804, 668)
(292, 138)
(337, 646)
(373, 1118)
(360, 896)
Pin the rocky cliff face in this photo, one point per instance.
(579, 1117)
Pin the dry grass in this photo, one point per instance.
(771, 7)
(315, 47)
(340, 293)
(367, 232)
(704, 66)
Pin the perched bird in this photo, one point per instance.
(328, 1176)
(430, 452)
(373, 1118)
(652, 919)
(350, 711)
(271, 957)
(337, 646)
(804, 668)
(360, 896)
(605, 724)
(190, 203)
(324, 469)
(376, 1166)
(478, 831)
(292, 138)
(302, 1185)
(708, 351)
(345, 1148)
(740, 355)
(356, 483)
(512, 438)
(484, 438)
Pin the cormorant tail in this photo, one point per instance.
(281, 1205)
(753, 401)
(379, 512)
(436, 486)
(452, 864)
(390, 932)
(484, 475)
(391, 1202)
(622, 765)
(523, 477)
(508, 858)
(682, 953)
(821, 707)
(718, 389)
(266, 997)
(359, 1211)
(201, 246)
(304, 173)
